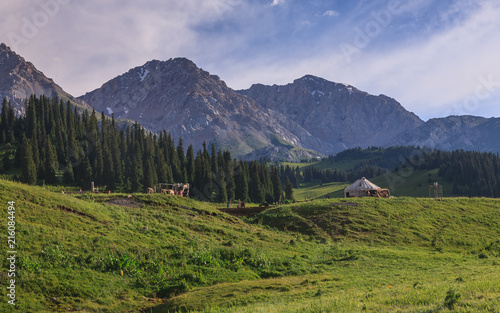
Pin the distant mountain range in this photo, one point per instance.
(307, 118)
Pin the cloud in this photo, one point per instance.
(431, 57)
(277, 2)
(437, 72)
(440, 74)
(331, 13)
(82, 44)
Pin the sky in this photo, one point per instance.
(437, 58)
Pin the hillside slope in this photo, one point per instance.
(113, 253)
(454, 223)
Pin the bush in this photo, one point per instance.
(451, 299)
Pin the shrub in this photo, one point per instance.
(451, 299)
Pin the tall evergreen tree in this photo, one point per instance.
(241, 181)
(6, 161)
(3, 122)
(230, 183)
(190, 164)
(50, 163)
(220, 187)
(288, 189)
(275, 179)
(108, 173)
(137, 169)
(213, 160)
(255, 189)
(28, 168)
(150, 177)
(69, 176)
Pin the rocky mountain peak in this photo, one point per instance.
(336, 113)
(19, 79)
(188, 102)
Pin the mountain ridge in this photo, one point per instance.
(19, 79)
(307, 118)
(328, 109)
(191, 103)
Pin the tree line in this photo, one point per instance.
(472, 173)
(372, 162)
(54, 142)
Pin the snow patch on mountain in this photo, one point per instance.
(143, 73)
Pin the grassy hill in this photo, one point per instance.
(112, 253)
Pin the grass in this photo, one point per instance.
(413, 183)
(312, 191)
(111, 253)
(408, 183)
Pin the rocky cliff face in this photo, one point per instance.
(338, 114)
(20, 79)
(178, 97)
(455, 132)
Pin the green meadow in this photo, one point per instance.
(154, 253)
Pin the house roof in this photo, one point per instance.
(362, 184)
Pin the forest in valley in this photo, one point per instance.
(57, 143)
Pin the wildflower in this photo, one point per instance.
(390, 286)
(121, 272)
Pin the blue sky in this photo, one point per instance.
(437, 58)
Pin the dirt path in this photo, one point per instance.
(129, 203)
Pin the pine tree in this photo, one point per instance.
(203, 177)
(190, 164)
(3, 122)
(50, 163)
(150, 177)
(181, 154)
(276, 184)
(230, 183)
(163, 171)
(220, 187)
(256, 192)
(97, 164)
(108, 173)
(213, 160)
(28, 168)
(69, 176)
(85, 173)
(241, 181)
(116, 155)
(137, 170)
(288, 189)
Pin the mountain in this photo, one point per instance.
(455, 132)
(188, 102)
(338, 114)
(307, 118)
(20, 79)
